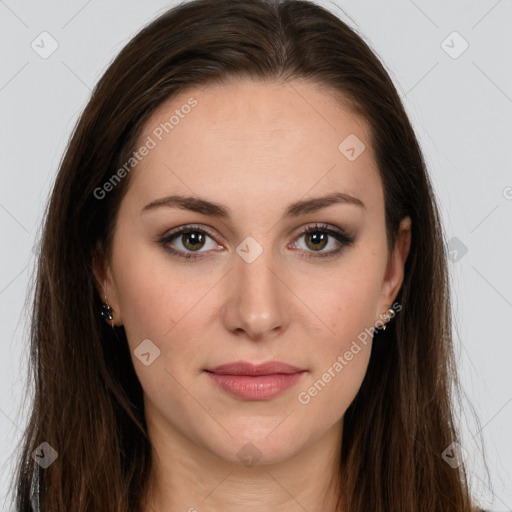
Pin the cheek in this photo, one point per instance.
(163, 303)
(340, 365)
(146, 311)
(347, 301)
(348, 308)
(152, 292)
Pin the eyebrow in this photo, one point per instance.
(301, 207)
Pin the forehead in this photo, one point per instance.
(255, 143)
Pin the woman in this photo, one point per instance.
(242, 299)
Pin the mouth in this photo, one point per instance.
(255, 382)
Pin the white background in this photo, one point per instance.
(461, 109)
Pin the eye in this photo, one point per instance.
(190, 238)
(317, 238)
(193, 238)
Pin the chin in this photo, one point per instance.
(260, 444)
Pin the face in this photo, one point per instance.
(226, 274)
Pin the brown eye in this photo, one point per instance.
(318, 237)
(187, 240)
(192, 240)
(316, 240)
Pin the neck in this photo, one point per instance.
(188, 478)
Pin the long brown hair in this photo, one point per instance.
(87, 401)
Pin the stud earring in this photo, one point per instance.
(107, 311)
(389, 313)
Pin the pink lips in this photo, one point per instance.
(255, 382)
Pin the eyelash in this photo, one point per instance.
(340, 235)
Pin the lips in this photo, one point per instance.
(246, 368)
(255, 382)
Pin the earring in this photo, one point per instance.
(390, 313)
(107, 311)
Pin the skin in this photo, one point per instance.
(254, 147)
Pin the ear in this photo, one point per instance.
(104, 282)
(394, 275)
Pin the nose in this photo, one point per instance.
(257, 304)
